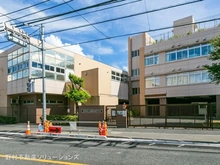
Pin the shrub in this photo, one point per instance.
(134, 113)
(61, 118)
(7, 120)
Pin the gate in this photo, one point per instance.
(173, 115)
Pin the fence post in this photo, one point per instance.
(166, 115)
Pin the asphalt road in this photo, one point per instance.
(18, 152)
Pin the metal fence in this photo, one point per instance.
(176, 115)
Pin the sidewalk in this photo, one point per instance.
(180, 134)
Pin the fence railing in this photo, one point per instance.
(177, 115)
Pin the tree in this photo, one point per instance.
(214, 69)
(75, 91)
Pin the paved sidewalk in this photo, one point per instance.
(180, 134)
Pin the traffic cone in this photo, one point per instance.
(100, 128)
(106, 129)
(28, 131)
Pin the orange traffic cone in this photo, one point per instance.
(28, 131)
(100, 128)
(106, 129)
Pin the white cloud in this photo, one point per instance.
(125, 68)
(56, 41)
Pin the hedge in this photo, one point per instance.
(7, 120)
(61, 118)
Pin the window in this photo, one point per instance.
(182, 54)
(170, 56)
(50, 75)
(188, 78)
(25, 73)
(191, 52)
(36, 73)
(182, 78)
(206, 48)
(135, 72)
(19, 74)
(14, 76)
(10, 63)
(205, 76)
(152, 60)
(152, 82)
(20, 66)
(135, 91)
(171, 80)
(28, 101)
(60, 77)
(135, 53)
(194, 52)
(195, 77)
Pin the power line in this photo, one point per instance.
(77, 10)
(130, 34)
(87, 20)
(118, 18)
(41, 10)
(147, 14)
(135, 33)
(24, 8)
(91, 12)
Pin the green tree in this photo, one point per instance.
(75, 91)
(214, 68)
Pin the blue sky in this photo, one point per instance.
(109, 51)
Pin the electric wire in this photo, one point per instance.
(24, 8)
(130, 34)
(91, 12)
(123, 17)
(147, 13)
(87, 20)
(77, 10)
(41, 10)
(135, 33)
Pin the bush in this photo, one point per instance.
(61, 118)
(134, 113)
(7, 120)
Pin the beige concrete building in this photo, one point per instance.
(107, 85)
(170, 70)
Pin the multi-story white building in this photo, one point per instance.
(170, 71)
(107, 85)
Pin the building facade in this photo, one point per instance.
(170, 70)
(107, 85)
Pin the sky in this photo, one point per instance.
(91, 34)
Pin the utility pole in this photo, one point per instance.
(43, 75)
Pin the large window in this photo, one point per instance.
(187, 78)
(190, 52)
(18, 63)
(152, 60)
(152, 82)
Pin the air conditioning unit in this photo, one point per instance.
(14, 101)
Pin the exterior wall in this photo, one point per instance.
(91, 82)
(185, 65)
(98, 81)
(183, 29)
(162, 92)
(3, 83)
